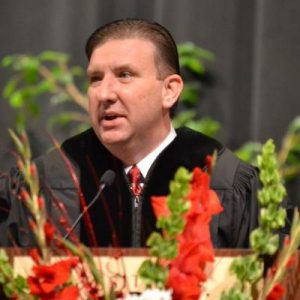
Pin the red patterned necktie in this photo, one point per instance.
(135, 177)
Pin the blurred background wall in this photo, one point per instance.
(254, 86)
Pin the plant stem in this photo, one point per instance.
(70, 88)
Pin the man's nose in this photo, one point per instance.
(106, 91)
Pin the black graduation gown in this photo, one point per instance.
(71, 175)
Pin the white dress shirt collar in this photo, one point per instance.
(145, 164)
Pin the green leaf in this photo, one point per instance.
(7, 61)
(273, 217)
(60, 98)
(10, 88)
(247, 268)
(33, 108)
(249, 151)
(16, 100)
(77, 71)
(183, 117)
(295, 125)
(54, 56)
(190, 93)
(235, 294)
(30, 75)
(264, 242)
(206, 125)
(152, 273)
(61, 76)
(26, 63)
(190, 49)
(43, 87)
(160, 247)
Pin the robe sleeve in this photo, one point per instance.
(236, 184)
(14, 227)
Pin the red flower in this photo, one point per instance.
(190, 258)
(291, 261)
(69, 292)
(40, 202)
(34, 254)
(160, 207)
(209, 163)
(185, 286)
(24, 195)
(195, 246)
(32, 169)
(48, 278)
(276, 293)
(49, 231)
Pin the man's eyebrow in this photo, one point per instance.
(94, 70)
(91, 71)
(123, 66)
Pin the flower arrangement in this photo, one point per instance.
(185, 247)
(179, 253)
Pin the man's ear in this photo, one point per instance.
(173, 85)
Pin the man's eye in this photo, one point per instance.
(125, 74)
(93, 79)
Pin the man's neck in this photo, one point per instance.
(133, 152)
(146, 162)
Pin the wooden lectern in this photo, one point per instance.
(126, 261)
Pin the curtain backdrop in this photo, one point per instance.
(255, 78)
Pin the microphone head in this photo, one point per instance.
(108, 177)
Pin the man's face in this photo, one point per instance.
(128, 102)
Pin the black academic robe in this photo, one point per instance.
(70, 176)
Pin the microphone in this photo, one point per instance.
(106, 180)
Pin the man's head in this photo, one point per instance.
(166, 56)
(132, 87)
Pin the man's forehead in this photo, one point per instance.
(122, 52)
(126, 42)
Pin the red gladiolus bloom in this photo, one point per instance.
(48, 278)
(209, 163)
(184, 286)
(34, 255)
(33, 170)
(291, 261)
(195, 246)
(277, 292)
(49, 231)
(69, 292)
(41, 203)
(160, 207)
(190, 258)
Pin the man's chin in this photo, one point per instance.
(112, 139)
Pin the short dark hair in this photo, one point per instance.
(166, 57)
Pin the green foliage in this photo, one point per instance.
(247, 268)
(288, 156)
(235, 294)
(36, 76)
(12, 285)
(193, 57)
(192, 60)
(263, 240)
(205, 125)
(165, 247)
(249, 151)
(153, 274)
(272, 216)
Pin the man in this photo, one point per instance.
(134, 84)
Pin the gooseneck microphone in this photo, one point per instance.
(106, 180)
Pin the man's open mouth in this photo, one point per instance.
(110, 117)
